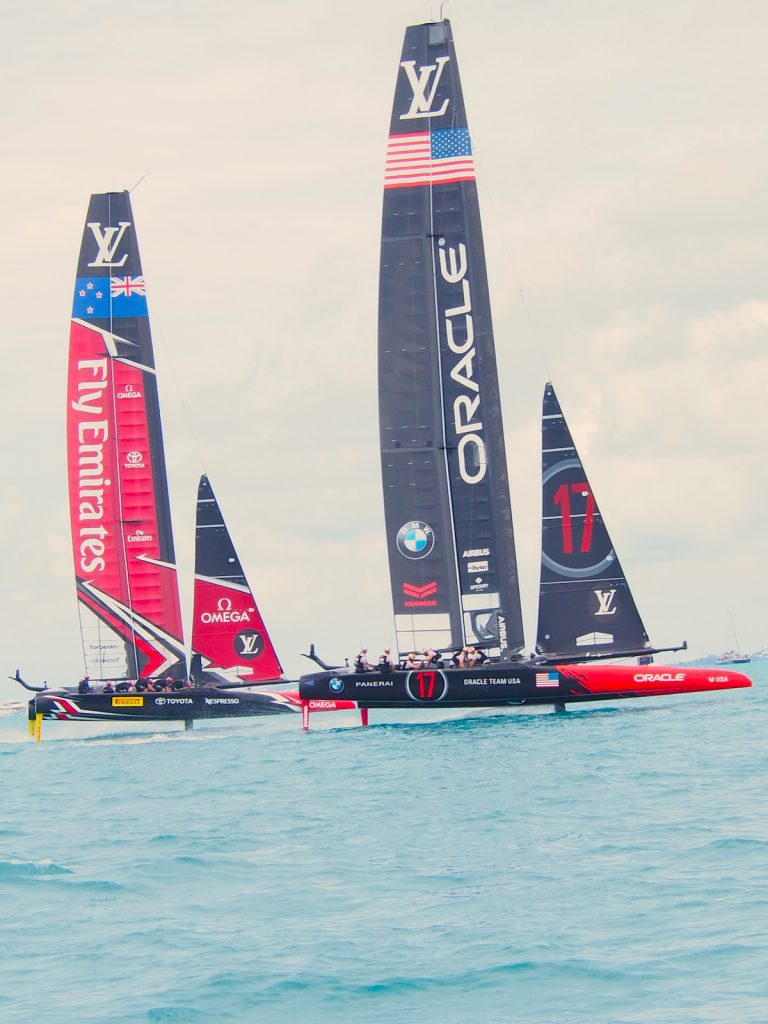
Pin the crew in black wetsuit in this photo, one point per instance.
(361, 661)
(84, 686)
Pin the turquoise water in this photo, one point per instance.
(609, 865)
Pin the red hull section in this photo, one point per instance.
(649, 680)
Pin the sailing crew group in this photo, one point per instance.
(141, 685)
(465, 657)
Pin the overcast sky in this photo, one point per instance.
(622, 160)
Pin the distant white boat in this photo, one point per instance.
(12, 707)
(733, 658)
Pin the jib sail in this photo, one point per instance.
(448, 519)
(586, 608)
(122, 541)
(228, 632)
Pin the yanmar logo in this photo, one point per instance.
(420, 595)
(659, 677)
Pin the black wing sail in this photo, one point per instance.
(586, 608)
(450, 540)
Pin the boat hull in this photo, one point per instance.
(184, 706)
(510, 683)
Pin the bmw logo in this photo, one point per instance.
(415, 539)
(336, 685)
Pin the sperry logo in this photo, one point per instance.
(605, 601)
(422, 101)
(108, 241)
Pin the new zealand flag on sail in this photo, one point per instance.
(98, 298)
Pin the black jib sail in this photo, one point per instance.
(448, 519)
(586, 608)
(118, 492)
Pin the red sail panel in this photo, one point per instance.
(93, 464)
(228, 632)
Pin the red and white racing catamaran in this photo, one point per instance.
(125, 566)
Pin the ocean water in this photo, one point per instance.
(608, 865)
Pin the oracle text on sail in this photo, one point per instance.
(460, 339)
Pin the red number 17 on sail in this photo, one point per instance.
(563, 499)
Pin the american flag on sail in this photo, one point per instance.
(429, 158)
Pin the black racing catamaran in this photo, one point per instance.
(451, 547)
(125, 567)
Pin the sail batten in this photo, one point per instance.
(123, 550)
(450, 540)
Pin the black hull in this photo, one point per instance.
(509, 683)
(179, 706)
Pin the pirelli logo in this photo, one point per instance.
(127, 702)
